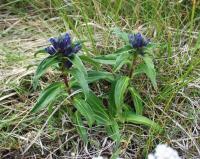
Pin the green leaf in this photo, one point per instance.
(112, 107)
(113, 131)
(125, 48)
(79, 65)
(120, 90)
(99, 111)
(90, 60)
(48, 95)
(104, 61)
(137, 100)
(85, 109)
(107, 56)
(94, 76)
(108, 59)
(139, 119)
(99, 75)
(148, 68)
(42, 68)
(79, 76)
(80, 128)
(121, 60)
(121, 35)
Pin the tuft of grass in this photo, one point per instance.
(25, 27)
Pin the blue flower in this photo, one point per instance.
(63, 45)
(51, 50)
(137, 41)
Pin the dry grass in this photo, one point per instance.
(176, 106)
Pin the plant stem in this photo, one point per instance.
(66, 81)
(133, 66)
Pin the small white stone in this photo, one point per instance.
(151, 156)
(99, 157)
(163, 151)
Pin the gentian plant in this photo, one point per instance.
(105, 106)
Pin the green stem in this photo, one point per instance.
(66, 81)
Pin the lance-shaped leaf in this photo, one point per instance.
(94, 76)
(126, 48)
(137, 100)
(48, 95)
(113, 131)
(100, 113)
(80, 127)
(81, 79)
(90, 60)
(120, 89)
(85, 109)
(139, 119)
(106, 59)
(110, 59)
(121, 60)
(42, 68)
(120, 34)
(99, 75)
(79, 65)
(148, 68)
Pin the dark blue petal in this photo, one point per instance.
(132, 40)
(138, 36)
(51, 50)
(54, 42)
(68, 64)
(76, 48)
(137, 40)
(63, 45)
(64, 42)
(67, 40)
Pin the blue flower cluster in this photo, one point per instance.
(63, 46)
(137, 41)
